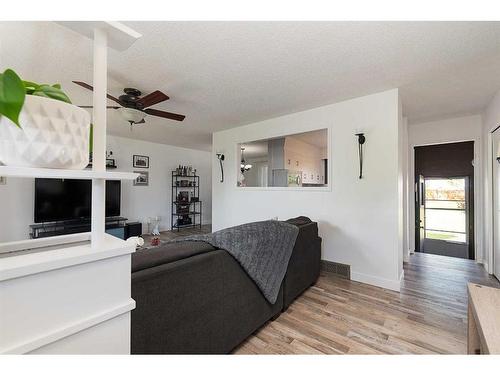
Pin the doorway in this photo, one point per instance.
(444, 199)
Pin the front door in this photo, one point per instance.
(444, 207)
(446, 226)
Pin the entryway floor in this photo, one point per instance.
(339, 316)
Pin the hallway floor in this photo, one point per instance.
(339, 316)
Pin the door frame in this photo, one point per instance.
(489, 204)
(479, 196)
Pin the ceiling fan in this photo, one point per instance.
(133, 107)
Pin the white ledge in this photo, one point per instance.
(75, 174)
(29, 262)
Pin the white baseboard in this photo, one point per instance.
(377, 281)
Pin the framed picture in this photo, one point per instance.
(110, 163)
(3, 180)
(143, 179)
(141, 161)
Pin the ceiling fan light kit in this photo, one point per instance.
(131, 115)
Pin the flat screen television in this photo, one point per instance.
(59, 200)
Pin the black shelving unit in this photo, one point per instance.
(182, 210)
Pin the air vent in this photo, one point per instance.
(339, 269)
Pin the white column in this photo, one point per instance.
(99, 148)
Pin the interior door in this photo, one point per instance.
(420, 216)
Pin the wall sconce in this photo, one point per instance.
(220, 156)
(361, 142)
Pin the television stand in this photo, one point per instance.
(114, 226)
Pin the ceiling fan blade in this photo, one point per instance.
(151, 99)
(91, 106)
(88, 87)
(169, 115)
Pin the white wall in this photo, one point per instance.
(138, 202)
(358, 219)
(458, 129)
(491, 119)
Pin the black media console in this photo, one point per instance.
(115, 226)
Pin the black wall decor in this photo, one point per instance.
(361, 142)
(221, 159)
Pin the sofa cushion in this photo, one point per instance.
(299, 221)
(167, 253)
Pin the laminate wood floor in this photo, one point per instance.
(169, 235)
(338, 316)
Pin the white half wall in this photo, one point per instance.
(359, 220)
(137, 202)
(457, 129)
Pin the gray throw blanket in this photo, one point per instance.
(262, 248)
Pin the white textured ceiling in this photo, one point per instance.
(226, 74)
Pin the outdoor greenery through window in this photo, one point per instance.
(445, 209)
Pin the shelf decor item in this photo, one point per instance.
(39, 127)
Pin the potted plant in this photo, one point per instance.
(39, 127)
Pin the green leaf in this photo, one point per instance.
(52, 92)
(30, 87)
(57, 85)
(12, 95)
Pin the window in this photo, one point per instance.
(445, 209)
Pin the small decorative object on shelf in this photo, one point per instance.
(185, 171)
(186, 204)
(156, 228)
(155, 241)
(140, 161)
(39, 127)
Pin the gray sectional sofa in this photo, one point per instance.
(192, 298)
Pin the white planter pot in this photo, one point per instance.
(54, 134)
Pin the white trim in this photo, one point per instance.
(70, 329)
(377, 281)
(75, 174)
(490, 210)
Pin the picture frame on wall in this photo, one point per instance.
(140, 161)
(110, 163)
(143, 179)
